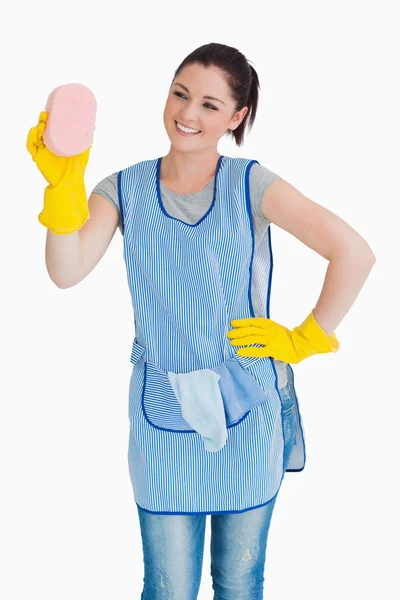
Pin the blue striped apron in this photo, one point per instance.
(187, 283)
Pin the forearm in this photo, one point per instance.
(345, 276)
(64, 258)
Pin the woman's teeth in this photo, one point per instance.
(185, 130)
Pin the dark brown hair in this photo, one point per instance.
(240, 76)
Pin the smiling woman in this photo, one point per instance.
(213, 428)
(217, 75)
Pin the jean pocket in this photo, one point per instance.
(289, 433)
(287, 400)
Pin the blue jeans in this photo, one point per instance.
(173, 545)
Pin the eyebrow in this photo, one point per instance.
(208, 97)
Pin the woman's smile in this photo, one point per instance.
(184, 132)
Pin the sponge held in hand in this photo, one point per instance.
(71, 119)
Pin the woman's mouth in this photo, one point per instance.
(184, 132)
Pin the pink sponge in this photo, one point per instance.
(71, 119)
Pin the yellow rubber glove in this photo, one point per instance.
(280, 342)
(65, 208)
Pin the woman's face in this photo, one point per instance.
(189, 107)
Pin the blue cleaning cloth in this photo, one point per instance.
(211, 399)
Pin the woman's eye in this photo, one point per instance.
(209, 106)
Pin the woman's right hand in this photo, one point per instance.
(52, 167)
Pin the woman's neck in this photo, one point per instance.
(183, 173)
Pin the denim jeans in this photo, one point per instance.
(173, 545)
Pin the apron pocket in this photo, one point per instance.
(240, 390)
(230, 392)
(262, 370)
(159, 403)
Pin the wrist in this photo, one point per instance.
(317, 336)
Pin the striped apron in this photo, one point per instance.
(187, 283)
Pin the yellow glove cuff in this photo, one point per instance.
(65, 208)
(317, 336)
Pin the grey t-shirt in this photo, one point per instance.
(191, 207)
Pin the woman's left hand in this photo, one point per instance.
(279, 342)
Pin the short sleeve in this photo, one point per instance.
(260, 179)
(108, 188)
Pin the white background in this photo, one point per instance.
(327, 122)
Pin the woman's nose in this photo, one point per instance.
(189, 115)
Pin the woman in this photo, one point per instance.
(213, 428)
